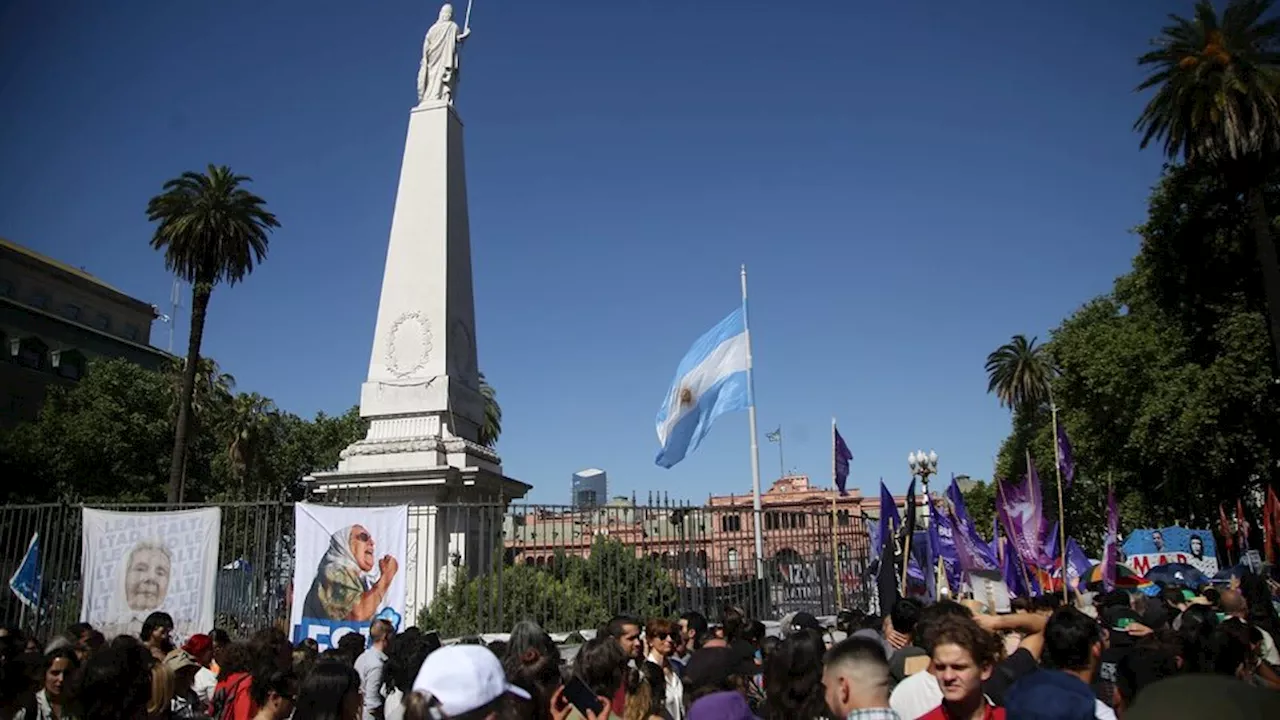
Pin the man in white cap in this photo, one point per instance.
(464, 680)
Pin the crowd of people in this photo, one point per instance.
(1189, 652)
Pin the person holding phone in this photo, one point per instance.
(461, 681)
(598, 670)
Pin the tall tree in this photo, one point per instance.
(247, 425)
(212, 230)
(491, 428)
(1217, 105)
(1019, 373)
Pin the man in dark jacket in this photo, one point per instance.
(1073, 645)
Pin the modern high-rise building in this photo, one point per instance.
(590, 488)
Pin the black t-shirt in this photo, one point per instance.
(1104, 682)
(1012, 669)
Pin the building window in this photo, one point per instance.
(102, 322)
(71, 312)
(40, 300)
(842, 518)
(6, 287)
(731, 523)
(131, 332)
(32, 353)
(733, 559)
(68, 364)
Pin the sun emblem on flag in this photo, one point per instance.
(686, 397)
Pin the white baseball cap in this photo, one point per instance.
(463, 678)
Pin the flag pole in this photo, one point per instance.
(835, 554)
(755, 446)
(1062, 522)
(782, 464)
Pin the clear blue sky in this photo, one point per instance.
(908, 183)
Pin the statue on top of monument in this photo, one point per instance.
(438, 73)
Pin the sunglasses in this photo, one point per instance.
(363, 537)
(662, 636)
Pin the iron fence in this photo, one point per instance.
(479, 568)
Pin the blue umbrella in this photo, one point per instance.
(1177, 574)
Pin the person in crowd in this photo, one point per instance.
(200, 648)
(533, 664)
(1144, 665)
(660, 633)
(157, 632)
(793, 678)
(963, 657)
(601, 664)
(331, 692)
(90, 643)
(722, 706)
(1021, 662)
(919, 693)
(693, 626)
(50, 701)
(351, 645)
(160, 703)
(910, 658)
(405, 654)
(625, 631)
(718, 669)
(466, 682)
(643, 688)
(220, 639)
(1061, 690)
(855, 677)
(233, 697)
(114, 682)
(369, 665)
(1234, 605)
(186, 703)
(768, 646)
(271, 647)
(274, 692)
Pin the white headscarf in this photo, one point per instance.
(124, 620)
(339, 553)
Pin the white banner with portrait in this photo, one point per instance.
(136, 563)
(347, 570)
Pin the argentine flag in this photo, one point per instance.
(710, 381)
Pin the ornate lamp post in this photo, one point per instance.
(923, 465)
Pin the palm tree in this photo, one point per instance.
(211, 230)
(491, 428)
(1217, 104)
(1019, 373)
(213, 390)
(250, 417)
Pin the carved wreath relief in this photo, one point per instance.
(408, 344)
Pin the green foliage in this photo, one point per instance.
(980, 501)
(107, 439)
(571, 593)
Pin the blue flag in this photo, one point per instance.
(711, 380)
(843, 456)
(25, 582)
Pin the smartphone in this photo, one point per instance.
(431, 641)
(581, 697)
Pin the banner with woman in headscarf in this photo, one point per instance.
(347, 570)
(137, 563)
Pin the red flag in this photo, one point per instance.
(1270, 518)
(1224, 528)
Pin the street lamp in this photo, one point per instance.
(924, 464)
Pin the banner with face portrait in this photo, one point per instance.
(348, 570)
(136, 563)
(1145, 549)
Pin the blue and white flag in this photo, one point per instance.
(710, 381)
(25, 582)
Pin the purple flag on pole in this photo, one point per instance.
(972, 552)
(1050, 555)
(1021, 512)
(843, 456)
(1109, 545)
(1066, 461)
(942, 535)
(1078, 565)
(889, 522)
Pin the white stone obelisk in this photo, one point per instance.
(422, 395)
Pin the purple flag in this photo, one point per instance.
(942, 536)
(1050, 556)
(843, 456)
(1066, 461)
(1078, 565)
(889, 522)
(1021, 512)
(971, 551)
(1109, 545)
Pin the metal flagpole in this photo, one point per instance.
(755, 446)
(1062, 522)
(466, 24)
(835, 554)
(782, 464)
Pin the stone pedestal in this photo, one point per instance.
(422, 395)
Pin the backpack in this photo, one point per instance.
(222, 706)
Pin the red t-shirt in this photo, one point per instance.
(232, 699)
(941, 713)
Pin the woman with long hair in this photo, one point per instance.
(660, 633)
(232, 696)
(793, 678)
(160, 706)
(532, 663)
(405, 655)
(49, 703)
(331, 692)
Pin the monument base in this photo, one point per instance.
(455, 490)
